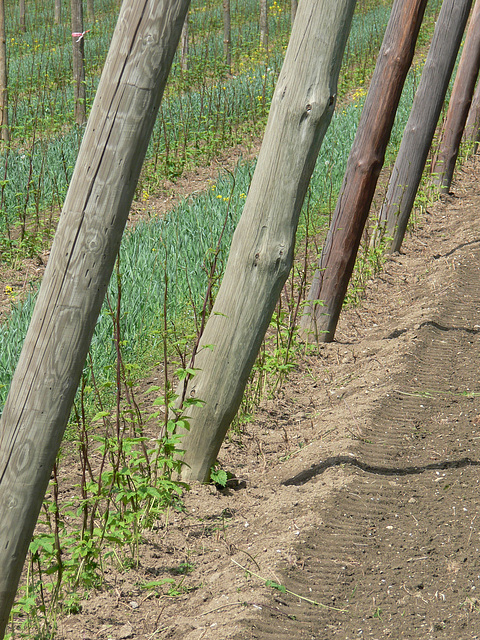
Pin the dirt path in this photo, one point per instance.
(397, 545)
(358, 486)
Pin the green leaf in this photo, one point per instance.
(275, 585)
(219, 476)
(194, 402)
(157, 583)
(188, 371)
(100, 415)
(183, 424)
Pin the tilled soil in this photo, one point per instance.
(397, 547)
(356, 512)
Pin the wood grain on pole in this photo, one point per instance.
(366, 159)
(262, 247)
(79, 269)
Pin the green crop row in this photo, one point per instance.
(40, 67)
(192, 127)
(177, 249)
(182, 242)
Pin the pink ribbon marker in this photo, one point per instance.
(79, 35)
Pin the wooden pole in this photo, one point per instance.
(366, 159)
(262, 248)
(227, 35)
(4, 130)
(263, 24)
(79, 89)
(58, 11)
(79, 269)
(472, 127)
(420, 129)
(459, 105)
(91, 11)
(21, 9)
(293, 10)
(184, 45)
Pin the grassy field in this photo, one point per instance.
(192, 128)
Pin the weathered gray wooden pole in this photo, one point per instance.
(79, 269)
(184, 48)
(262, 247)
(366, 159)
(459, 104)
(421, 125)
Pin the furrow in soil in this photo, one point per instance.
(397, 555)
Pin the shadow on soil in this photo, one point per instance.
(337, 461)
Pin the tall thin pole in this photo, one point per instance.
(4, 130)
(58, 11)
(363, 168)
(293, 10)
(22, 21)
(184, 45)
(263, 24)
(459, 104)
(420, 129)
(78, 39)
(227, 35)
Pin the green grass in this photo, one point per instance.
(192, 128)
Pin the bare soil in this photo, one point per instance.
(357, 486)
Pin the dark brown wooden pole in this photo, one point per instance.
(363, 168)
(459, 105)
(472, 127)
(79, 269)
(422, 122)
